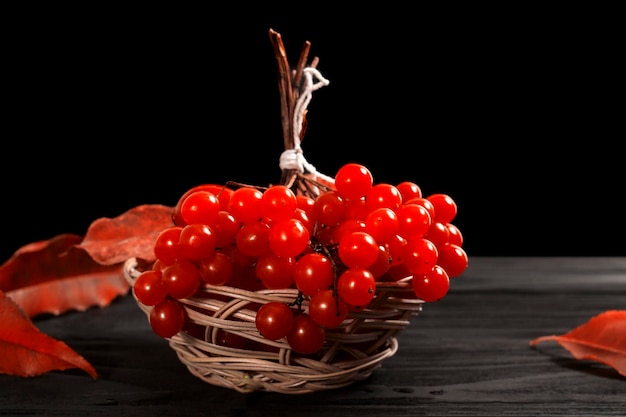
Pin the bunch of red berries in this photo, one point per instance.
(333, 248)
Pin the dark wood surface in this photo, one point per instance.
(466, 355)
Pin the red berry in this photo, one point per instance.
(166, 245)
(149, 288)
(327, 309)
(226, 228)
(383, 195)
(200, 207)
(278, 203)
(252, 238)
(167, 318)
(432, 285)
(182, 279)
(383, 224)
(413, 220)
(274, 320)
(196, 241)
(245, 204)
(356, 286)
(409, 190)
(358, 250)
(306, 336)
(419, 256)
(453, 259)
(313, 272)
(438, 233)
(353, 181)
(445, 207)
(217, 268)
(275, 272)
(288, 238)
(221, 192)
(330, 208)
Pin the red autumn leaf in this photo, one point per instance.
(36, 262)
(26, 351)
(55, 276)
(601, 339)
(69, 272)
(71, 293)
(130, 235)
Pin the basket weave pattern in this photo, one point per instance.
(351, 352)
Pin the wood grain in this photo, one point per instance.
(466, 355)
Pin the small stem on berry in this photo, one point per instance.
(298, 301)
(235, 184)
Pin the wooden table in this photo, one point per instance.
(466, 355)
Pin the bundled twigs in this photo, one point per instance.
(295, 87)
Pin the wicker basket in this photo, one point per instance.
(350, 353)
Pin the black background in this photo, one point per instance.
(517, 114)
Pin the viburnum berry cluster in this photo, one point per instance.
(333, 247)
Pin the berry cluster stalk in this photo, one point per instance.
(291, 86)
